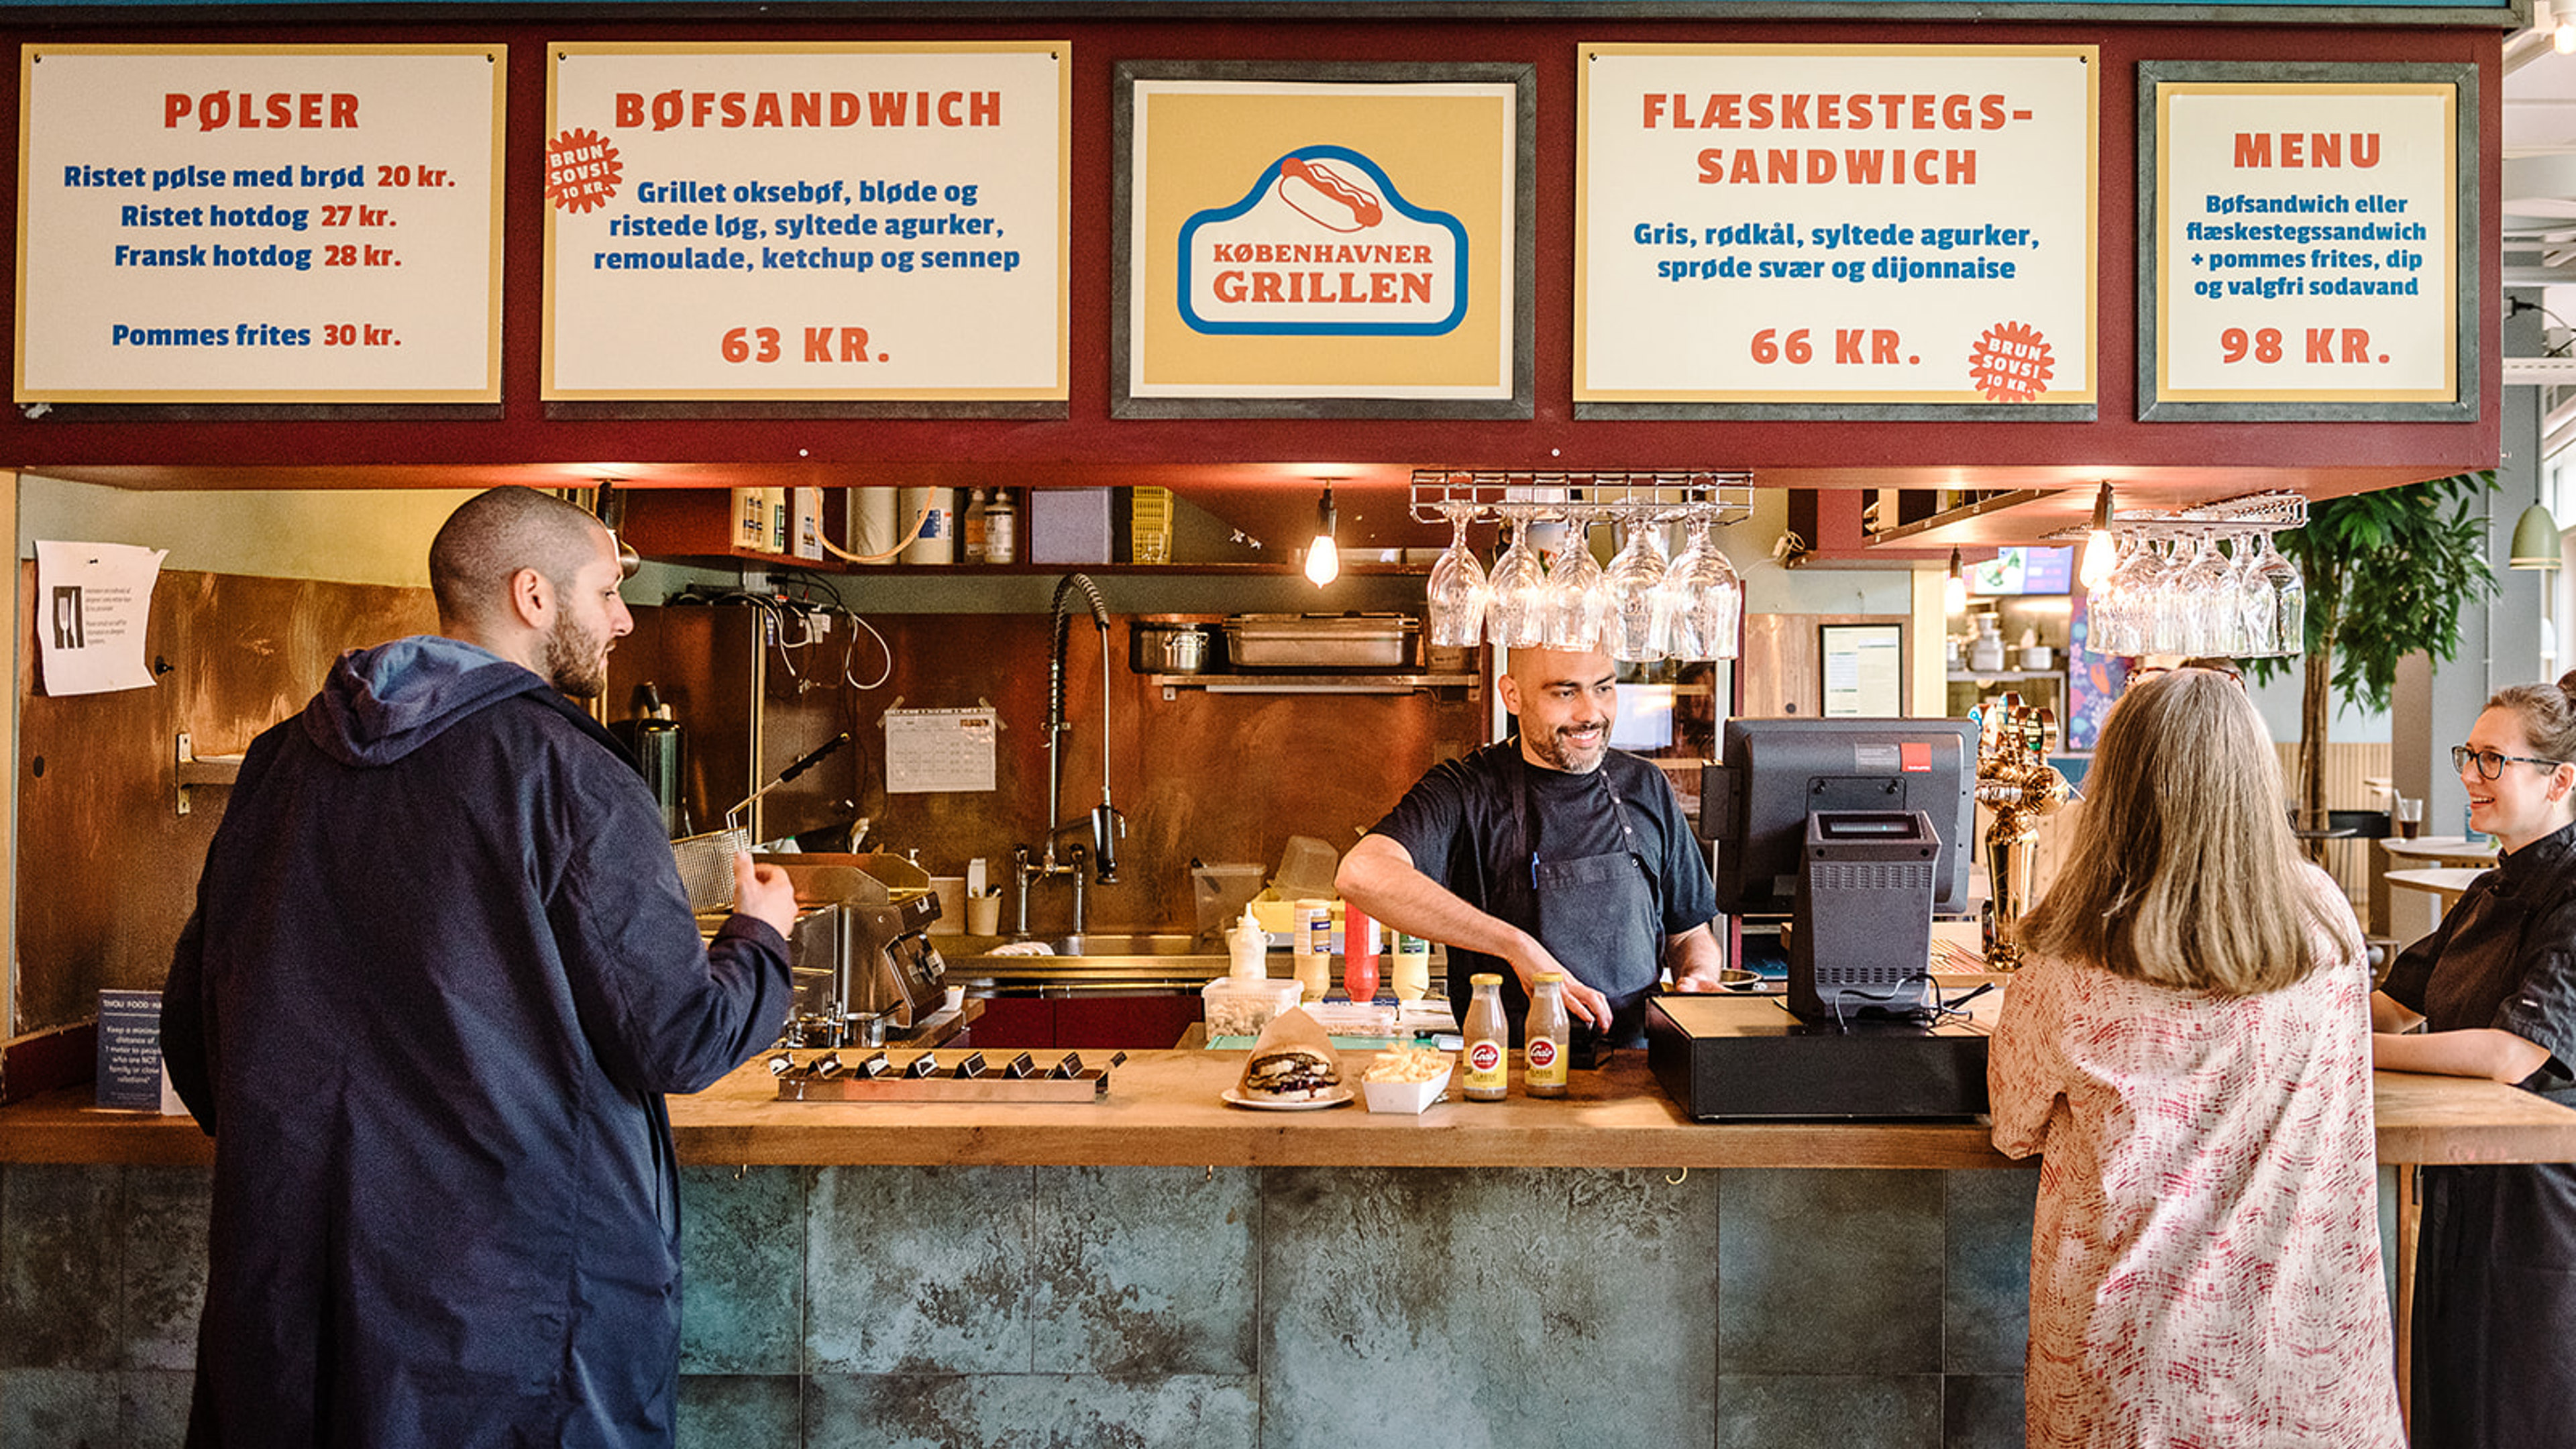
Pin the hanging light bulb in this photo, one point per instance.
(2563, 37)
(1954, 590)
(2101, 550)
(1324, 556)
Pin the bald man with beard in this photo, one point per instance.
(440, 975)
(1550, 851)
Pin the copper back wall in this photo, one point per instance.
(1211, 777)
(107, 867)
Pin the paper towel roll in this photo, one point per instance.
(873, 528)
(938, 541)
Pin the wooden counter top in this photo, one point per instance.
(1162, 1109)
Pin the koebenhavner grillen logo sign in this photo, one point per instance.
(1323, 245)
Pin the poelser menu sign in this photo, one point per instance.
(1779, 228)
(869, 223)
(246, 224)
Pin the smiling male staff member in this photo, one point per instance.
(1548, 851)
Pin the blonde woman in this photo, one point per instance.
(2189, 1050)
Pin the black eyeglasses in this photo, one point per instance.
(2491, 764)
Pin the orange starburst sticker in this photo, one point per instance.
(582, 171)
(2011, 363)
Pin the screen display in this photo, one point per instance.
(2024, 571)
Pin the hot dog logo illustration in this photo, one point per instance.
(1323, 245)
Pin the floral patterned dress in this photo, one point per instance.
(2204, 1265)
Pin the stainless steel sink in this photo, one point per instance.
(1108, 943)
(1094, 961)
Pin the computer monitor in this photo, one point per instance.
(1772, 774)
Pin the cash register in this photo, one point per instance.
(1851, 833)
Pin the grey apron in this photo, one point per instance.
(1596, 914)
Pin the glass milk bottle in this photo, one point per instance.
(1486, 1062)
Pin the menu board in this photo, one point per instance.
(863, 222)
(1790, 230)
(258, 224)
(2307, 239)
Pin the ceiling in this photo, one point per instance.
(2539, 201)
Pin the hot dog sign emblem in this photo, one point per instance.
(1323, 245)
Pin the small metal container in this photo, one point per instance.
(1167, 646)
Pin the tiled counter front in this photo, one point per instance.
(1191, 1308)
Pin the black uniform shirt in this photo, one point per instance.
(1458, 823)
(2505, 957)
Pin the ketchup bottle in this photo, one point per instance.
(1359, 955)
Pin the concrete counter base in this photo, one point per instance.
(1225, 1307)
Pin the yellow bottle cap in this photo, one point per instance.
(1485, 978)
(1545, 977)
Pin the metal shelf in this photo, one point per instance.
(1170, 684)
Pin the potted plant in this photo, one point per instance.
(2387, 575)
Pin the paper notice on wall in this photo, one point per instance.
(92, 601)
(934, 750)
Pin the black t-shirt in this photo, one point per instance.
(1459, 824)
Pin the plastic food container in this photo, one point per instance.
(1242, 1006)
(1409, 1099)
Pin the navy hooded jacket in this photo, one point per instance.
(440, 973)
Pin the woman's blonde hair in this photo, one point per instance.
(2183, 871)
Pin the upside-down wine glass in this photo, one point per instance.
(1631, 624)
(1576, 600)
(1459, 594)
(1519, 584)
(1701, 598)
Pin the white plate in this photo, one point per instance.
(1337, 1097)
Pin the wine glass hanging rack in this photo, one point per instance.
(1444, 496)
(2263, 513)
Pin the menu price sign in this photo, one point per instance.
(871, 223)
(257, 224)
(2310, 248)
(1787, 231)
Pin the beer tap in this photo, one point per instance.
(2019, 787)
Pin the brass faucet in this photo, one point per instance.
(2017, 783)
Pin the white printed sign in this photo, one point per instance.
(92, 603)
(246, 224)
(2304, 242)
(860, 222)
(1827, 224)
(930, 751)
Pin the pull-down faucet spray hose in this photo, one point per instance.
(1104, 820)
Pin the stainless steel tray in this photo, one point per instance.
(1320, 641)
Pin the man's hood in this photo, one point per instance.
(383, 703)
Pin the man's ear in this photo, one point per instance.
(532, 598)
(1510, 690)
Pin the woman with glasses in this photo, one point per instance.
(2188, 1047)
(2494, 991)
